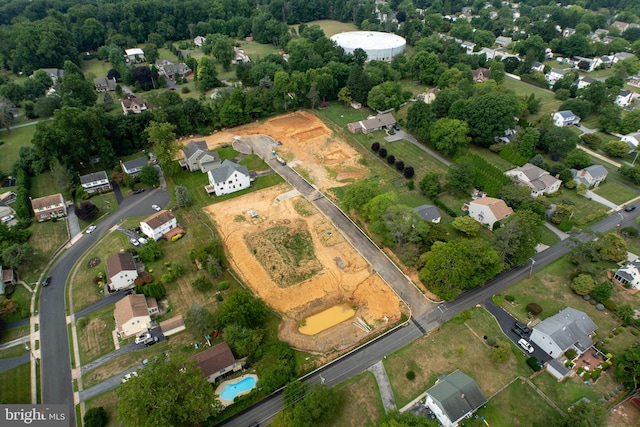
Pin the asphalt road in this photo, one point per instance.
(56, 386)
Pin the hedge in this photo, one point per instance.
(533, 363)
(508, 154)
(444, 207)
(488, 178)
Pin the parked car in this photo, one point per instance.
(155, 207)
(138, 191)
(523, 327)
(525, 344)
(519, 333)
(142, 338)
(629, 208)
(7, 218)
(134, 242)
(396, 127)
(46, 281)
(91, 229)
(128, 292)
(129, 376)
(143, 241)
(150, 341)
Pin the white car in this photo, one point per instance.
(155, 207)
(129, 376)
(7, 218)
(142, 338)
(91, 229)
(525, 344)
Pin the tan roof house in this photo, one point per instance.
(488, 210)
(48, 207)
(133, 104)
(537, 179)
(481, 75)
(172, 326)
(133, 314)
(121, 271)
(158, 224)
(216, 361)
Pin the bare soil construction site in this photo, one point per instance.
(300, 265)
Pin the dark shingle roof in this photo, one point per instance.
(214, 359)
(224, 172)
(93, 177)
(458, 394)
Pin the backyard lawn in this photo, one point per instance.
(331, 27)
(616, 192)
(548, 101)
(22, 297)
(15, 385)
(362, 404)
(11, 143)
(569, 391)
(95, 336)
(109, 402)
(586, 211)
(93, 68)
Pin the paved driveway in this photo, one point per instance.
(403, 135)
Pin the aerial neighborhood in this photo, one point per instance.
(320, 213)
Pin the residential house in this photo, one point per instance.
(228, 178)
(629, 275)
(134, 56)
(621, 26)
(565, 118)
(568, 32)
(607, 61)
(537, 66)
(95, 182)
(555, 74)
(172, 326)
(133, 315)
(199, 41)
(503, 41)
(454, 397)
(372, 124)
(55, 74)
(608, 39)
(588, 64)
(480, 75)
(428, 213)
(633, 139)
(133, 104)
(429, 96)
(134, 167)
(103, 84)
(6, 210)
(590, 176)
(488, 53)
(567, 329)
(488, 210)
(172, 71)
(217, 361)
(241, 56)
(634, 81)
(198, 157)
(508, 136)
(8, 197)
(220, 91)
(624, 98)
(468, 47)
(621, 56)
(584, 81)
(121, 271)
(158, 224)
(7, 277)
(48, 207)
(537, 179)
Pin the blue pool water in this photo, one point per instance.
(230, 391)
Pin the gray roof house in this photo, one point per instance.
(428, 213)
(591, 176)
(133, 167)
(97, 181)
(537, 179)
(381, 121)
(565, 118)
(228, 178)
(198, 157)
(103, 84)
(629, 275)
(569, 328)
(454, 397)
(170, 70)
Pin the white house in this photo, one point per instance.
(565, 118)
(135, 55)
(622, 56)
(555, 74)
(633, 139)
(133, 104)
(488, 210)
(588, 64)
(584, 81)
(537, 66)
(468, 47)
(133, 314)
(629, 274)
(228, 178)
(93, 182)
(454, 397)
(502, 41)
(121, 271)
(158, 224)
(48, 207)
(199, 41)
(569, 328)
(537, 179)
(591, 176)
(624, 98)
(134, 167)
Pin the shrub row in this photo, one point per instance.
(508, 154)
(408, 171)
(533, 363)
(444, 207)
(488, 178)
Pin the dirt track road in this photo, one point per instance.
(390, 273)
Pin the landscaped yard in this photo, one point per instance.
(22, 296)
(15, 385)
(362, 404)
(457, 345)
(12, 141)
(586, 210)
(569, 391)
(95, 336)
(615, 192)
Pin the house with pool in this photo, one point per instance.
(217, 362)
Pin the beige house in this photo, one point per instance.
(121, 271)
(217, 361)
(158, 224)
(537, 179)
(488, 210)
(133, 314)
(49, 207)
(133, 104)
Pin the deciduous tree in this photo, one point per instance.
(165, 147)
(583, 284)
(577, 159)
(430, 185)
(516, 240)
(243, 309)
(199, 321)
(466, 225)
(450, 136)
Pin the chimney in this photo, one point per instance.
(462, 396)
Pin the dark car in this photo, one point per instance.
(396, 127)
(150, 341)
(629, 208)
(138, 191)
(521, 326)
(46, 281)
(519, 333)
(128, 292)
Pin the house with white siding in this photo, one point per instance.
(158, 224)
(228, 178)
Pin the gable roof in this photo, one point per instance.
(118, 263)
(567, 114)
(135, 163)
(630, 271)
(130, 100)
(214, 359)
(159, 218)
(131, 306)
(568, 327)
(93, 177)
(46, 201)
(458, 394)
(378, 121)
(427, 212)
(103, 81)
(200, 150)
(497, 206)
(226, 169)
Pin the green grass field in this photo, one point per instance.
(257, 50)
(616, 192)
(22, 297)
(15, 385)
(331, 27)
(548, 101)
(95, 337)
(12, 141)
(584, 208)
(95, 67)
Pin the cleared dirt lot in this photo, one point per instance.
(343, 275)
(327, 160)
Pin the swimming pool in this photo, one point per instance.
(243, 386)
